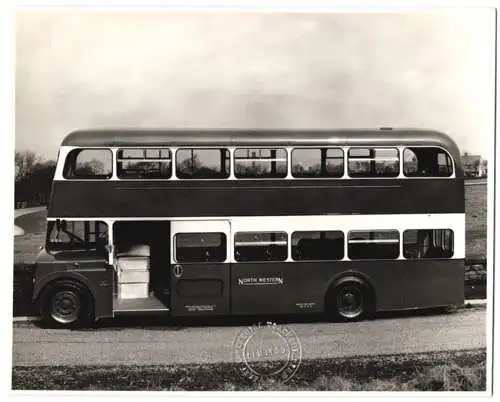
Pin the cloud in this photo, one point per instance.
(81, 70)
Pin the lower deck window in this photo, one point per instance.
(318, 245)
(260, 246)
(77, 235)
(200, 247)
(368, 245)
(428, 243)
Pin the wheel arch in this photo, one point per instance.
(51, 279)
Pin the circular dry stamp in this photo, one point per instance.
(268, 351)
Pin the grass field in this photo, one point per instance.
(476, 220)
(438, 371)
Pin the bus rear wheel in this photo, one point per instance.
(349, 301)
(66, 304)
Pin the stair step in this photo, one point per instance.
(142, 304)
(133, 290)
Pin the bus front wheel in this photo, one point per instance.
(349, 301)
(66, 304)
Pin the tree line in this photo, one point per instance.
(33, 179)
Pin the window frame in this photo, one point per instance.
(145, 159)
(453, 164)
(79, 150)
(319, 148)
(375, 148)
(263, 159)
(432, 243)
(225, 245)
(374, 241)
(286, 246)
(318, 231)
(74, 247)
(175, 169)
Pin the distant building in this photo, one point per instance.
(474, 165)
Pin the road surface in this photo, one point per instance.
(18, 231)
(154, 344)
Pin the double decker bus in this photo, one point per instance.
(244, 222)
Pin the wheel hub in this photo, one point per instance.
(350, 302)
(65, 307)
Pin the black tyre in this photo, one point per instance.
(349, 301)
(66, 304)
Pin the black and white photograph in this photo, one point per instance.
(249, 199)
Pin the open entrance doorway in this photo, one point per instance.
(142, 262)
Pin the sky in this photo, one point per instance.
(80, 70)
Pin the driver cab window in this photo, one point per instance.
(77, 235)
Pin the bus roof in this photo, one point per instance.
(259, 137)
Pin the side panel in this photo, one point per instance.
(200, 289)
(276, 288)
(222, 198)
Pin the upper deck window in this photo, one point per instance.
(317, 162)
(426, 162)
(202, 163)
(260, 162)
(144, 163)
(373, 162)
(89, 163)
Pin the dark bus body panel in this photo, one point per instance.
(200, 289)
(87, 268)
(274, 287)
(255, 197)
(301, 287)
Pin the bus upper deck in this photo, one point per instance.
(128, 173)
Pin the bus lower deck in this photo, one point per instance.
(251, 265)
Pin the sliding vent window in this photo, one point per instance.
(373, 162)
(149, 163)
(373, 245)
(89, 164)
(318, 245)
(428, 243)
(317, 162)
(426, 162)
(260, 246)
(257, 163)
(192, 163)
(200, 247)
